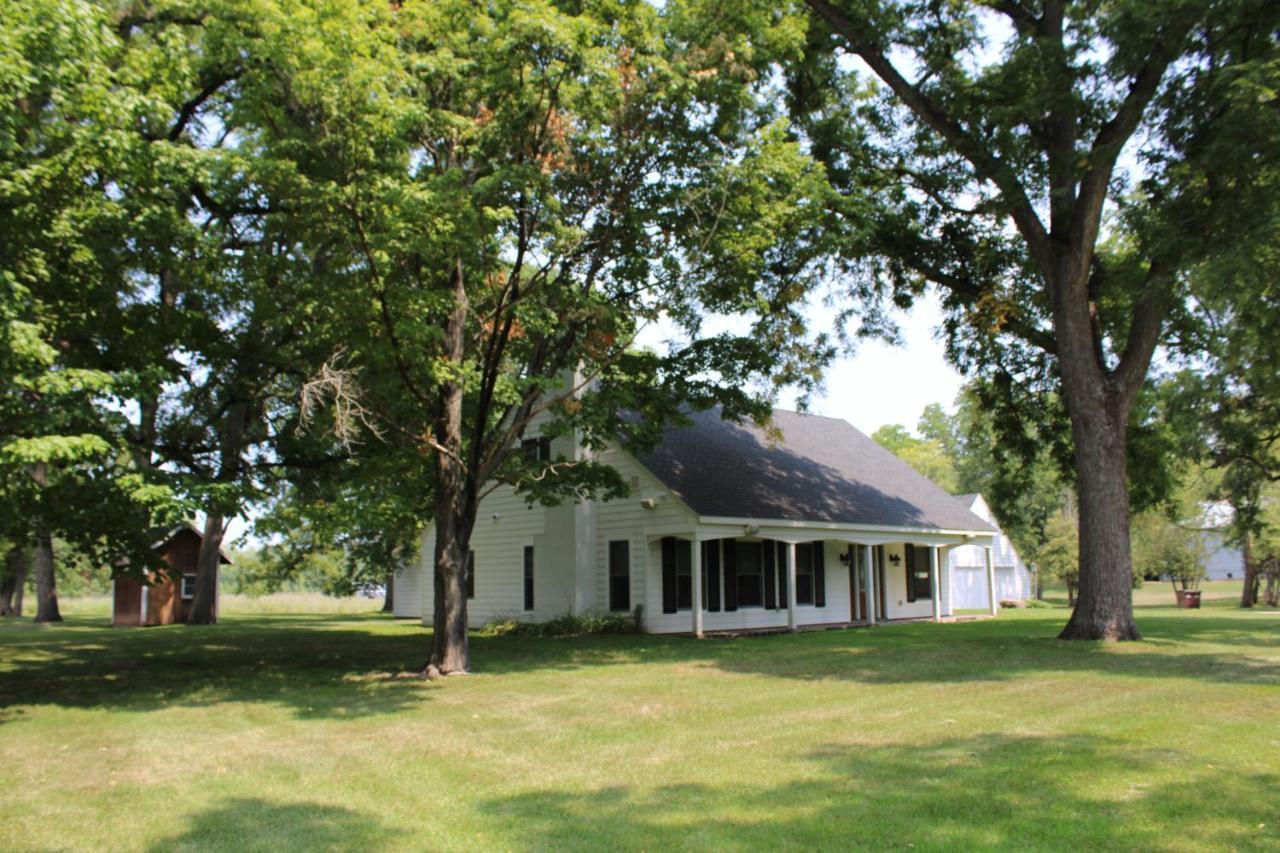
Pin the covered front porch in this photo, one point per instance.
(749, 576)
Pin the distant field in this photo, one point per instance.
(280, 602)
(298, 731)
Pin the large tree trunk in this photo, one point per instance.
(204, 603)
(1104, 608)
(46, 579)
(388, 601)
(1249, 595)
(15, 581)
(455, 503)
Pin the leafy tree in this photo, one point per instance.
(926, 455)
(994, 143)
(1059, 554)
(517, 190)
(63, 467)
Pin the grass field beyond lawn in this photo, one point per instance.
(271, 732)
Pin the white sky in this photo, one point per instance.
(883, 384)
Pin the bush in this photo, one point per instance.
(567, 625)
(1037, 604)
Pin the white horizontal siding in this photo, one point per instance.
(627, 519)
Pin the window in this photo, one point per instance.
(804, 573)
(677, 574)
(750, 566)
(536, 449)
(918, 569)
(470, 573)
(528, 577)
(620, 575)
(188, 591)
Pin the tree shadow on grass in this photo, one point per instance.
(249, 824)
(978, 651)
(319, 668)
(1074, 792)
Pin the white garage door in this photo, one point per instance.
(970, 591)
(1006, 584)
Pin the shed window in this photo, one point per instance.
(188, 590)
(620, 575)
(528, 577)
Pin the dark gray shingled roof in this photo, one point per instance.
(822, 470)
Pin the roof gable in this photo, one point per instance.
(823, 469)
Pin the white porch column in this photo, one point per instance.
(791, 585)
(856, 584)
(696, 567)
(935, 586)
(991, 583)
(871, 584)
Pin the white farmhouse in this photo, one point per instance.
(816, 525)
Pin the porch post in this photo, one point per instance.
(991, 583)
(871, 584)
(696, 567)
(934, 586)
(791, 586)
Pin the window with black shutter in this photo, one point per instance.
(749, 566)
(711, 575)
(528, 577)
(918, 571)
(769, 554)
(804, 573)
(620, 575)
(677, 574)
(729, 549)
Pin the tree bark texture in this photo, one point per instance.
(15, 581)
(204, 603)
(1104, 607)
(455, 502)
(46, 579)
(1249, 595)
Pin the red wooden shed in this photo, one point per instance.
(166, 597)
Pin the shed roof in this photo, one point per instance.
(822, 469)
(188, 527)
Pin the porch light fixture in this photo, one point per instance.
(844, 557)
(750, 529)
(895, 559)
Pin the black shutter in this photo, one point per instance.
(668, 575)
(819, 575)
(784, 576)
(910, 554)
(730, 576)
(711, 575)
(767, 552)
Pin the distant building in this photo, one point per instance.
(166, 596)
(967, 565)
(1222, 560)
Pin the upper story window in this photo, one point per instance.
(536, 449)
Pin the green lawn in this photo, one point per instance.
(273, 732)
